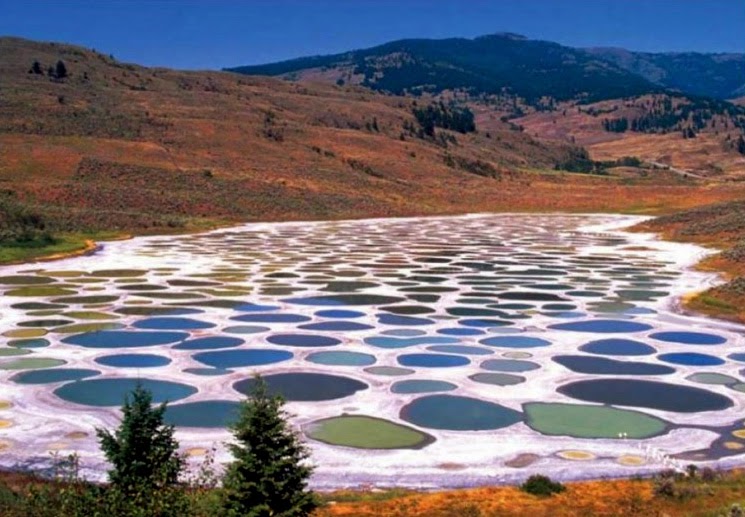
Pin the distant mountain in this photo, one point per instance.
(512, 64)
(494, 64)
(713, 75)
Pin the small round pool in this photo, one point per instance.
(133, 360)
(305, 386)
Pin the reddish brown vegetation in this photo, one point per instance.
(116, 146)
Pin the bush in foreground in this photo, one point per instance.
(540, 485)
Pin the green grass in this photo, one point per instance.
(715, 303)
(63, 243)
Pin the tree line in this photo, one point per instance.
(438, 115)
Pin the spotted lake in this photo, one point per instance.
(429, 352)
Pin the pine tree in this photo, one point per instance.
(269, 474)
(60, 71)
(741, 145)
(36, 69)
(142, 451)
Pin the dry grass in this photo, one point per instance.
(274, 150)
(593, 498)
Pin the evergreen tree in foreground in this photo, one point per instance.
(142, 451)
(269, 476)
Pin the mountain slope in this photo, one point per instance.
(712, 75)
(494, 64)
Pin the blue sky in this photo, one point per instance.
(218, 33)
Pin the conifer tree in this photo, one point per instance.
(142, 451)
(60, 71)
(269, 474)
(36, 68)
(741, 145)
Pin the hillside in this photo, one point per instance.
(713, 75)
(696, 136)
(497, 64)
(510, 64)
(665, 108)
(121, 146)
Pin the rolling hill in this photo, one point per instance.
(666, 108)
(116, 146)
(712, 75)
(511, 64)
(494, 65)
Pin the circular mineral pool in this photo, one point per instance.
(617, 346)
(460, 349)
(29, 343)
(509, 365)
(302, 340)
(394, 319)
(580, 421)
(648, 394)
(341, 358)
(156, 311)
(207, 372)
(740, 357)
(404, 332)
(515, 342)
(31, 363)
(689, 338)
(124, 339)
(421, 386)
(225, 359)
(365, 432)
(602, 326)
(336, 326)
(346, 299)
(205, 413)
(450, 412)
(274, 317)
(172, 324)
(394, 342)
(691, 359)
(252, 307)
(392, 371)
(245, 329)
(432, 360)
(133, 360)
(497, 379)
(209, 343)
(339, 313)
(712, 378)
(483, 323)
(605, 366)
(111, 392)
(460, 331)
(53, 375)
(305, 386)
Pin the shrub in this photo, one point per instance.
(540, 485)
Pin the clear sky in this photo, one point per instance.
(219, 33)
